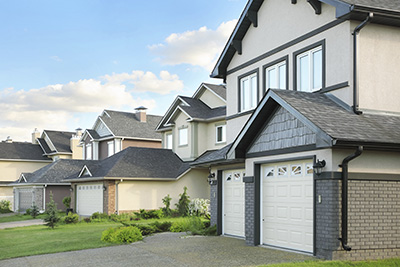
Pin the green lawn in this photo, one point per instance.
(19, 217)
(34, 240)
(377, 263)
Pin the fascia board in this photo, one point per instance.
(85, 168)
(26, 160)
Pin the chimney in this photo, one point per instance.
(141, 113)
(35, 135)
(9, 140)
(76, 149)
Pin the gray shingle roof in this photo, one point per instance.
(198, 110)
(340, 123)
(138, 162)
(380, 4)
(212, 156)
(43, 144)
(56, 172)
(126, 124)
(21, 151)
(61, 140)
(218, 89)
(93, 134)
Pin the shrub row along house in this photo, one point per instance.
(313, 128)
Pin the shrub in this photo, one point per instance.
(128, 234)
(183, 203)
(146, 229)
(5, 206)
(51, 217)
(71, 218)
(67, 202)
(150, 214)
(199, 207)
(34, 211)
(167, 202)
(88, 220)
(192, 224)
(28, 211)
(98, 216)
(162, 226)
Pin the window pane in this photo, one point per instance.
(304, 73)
(317, 70)
(110, 149)
(183, 137)
(245, 103)
(282, 77)
(169, 141)
(253, 102)
(220, 133)
(272, 79)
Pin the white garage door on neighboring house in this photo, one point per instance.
(233, 203)
(287, 205)
(89, 199)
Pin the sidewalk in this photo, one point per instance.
(21, 223)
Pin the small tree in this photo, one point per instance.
(67, 202)
(183, 203)
(51, 217)
(167, 202)
(34, 212)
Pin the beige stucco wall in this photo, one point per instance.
(280, 22)
(135, 195)
(211, 99)
(378, 68)
(184, 152)
(11, 170)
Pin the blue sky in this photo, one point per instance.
(63, 62)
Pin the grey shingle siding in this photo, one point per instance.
(283, 131)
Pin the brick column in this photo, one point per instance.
(109, 200)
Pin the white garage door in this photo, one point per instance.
(89, 199)
(287, 205)
(233, 204)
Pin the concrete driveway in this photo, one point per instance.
(166, 249)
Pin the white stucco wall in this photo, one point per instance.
(211, 99)
(135, 195)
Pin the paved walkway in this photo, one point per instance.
(20, 223)
(166, 249)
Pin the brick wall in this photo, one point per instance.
(249, 213)
(214, 204)
(373, 216)
(109, 206)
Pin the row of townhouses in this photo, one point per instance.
(299, 149)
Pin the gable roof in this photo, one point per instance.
(59, 139)
(137, 162)
(334, 123)
(21, 151)
(387, 12)
(126, 124)
(54, 173)
(219, 90)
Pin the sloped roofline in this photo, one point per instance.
(204, 85)
(242, 141)
(48, 137)
(249, 17)
(85, 168)
(170, 111)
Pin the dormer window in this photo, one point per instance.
(183, 137)
(110, 147)
(168, 139)
(89, 151)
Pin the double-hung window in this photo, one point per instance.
(183, 136)
(89, 151)
(110, 147)
(275, 76)
(248, 92)
(309, 70)
(220, 134)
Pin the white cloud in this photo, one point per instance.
(199, 48)
(63, 106)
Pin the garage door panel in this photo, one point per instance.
(233, 203)
(89, 199)
(287, 199)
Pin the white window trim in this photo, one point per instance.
(89, 149)
(308, 53)
(253, 95)
(223, 127)
(276, 66)
(180, 135)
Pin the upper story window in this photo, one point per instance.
(220, 134)
(89, 151)
(310, 69)
(168, 139)
(110, 147)
(183, 136)
(248, 96)
(276, 75)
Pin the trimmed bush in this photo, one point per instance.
(146, 229)
(183, 203)
(98, 216)
(149, 214)
(71, 218)
(192, 224)
(162, 226)
(67, 202)
(120, 235)
(5, 206)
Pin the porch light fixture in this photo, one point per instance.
(71, 189)
(319, 165)
(211, 177)
(104, 188)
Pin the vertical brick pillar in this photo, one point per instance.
(109, 198)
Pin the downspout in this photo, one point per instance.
(345, 179)
(355, 85)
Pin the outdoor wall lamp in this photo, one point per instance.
(71, 189)
(104, 188)
(211, 178)
(319, 165)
